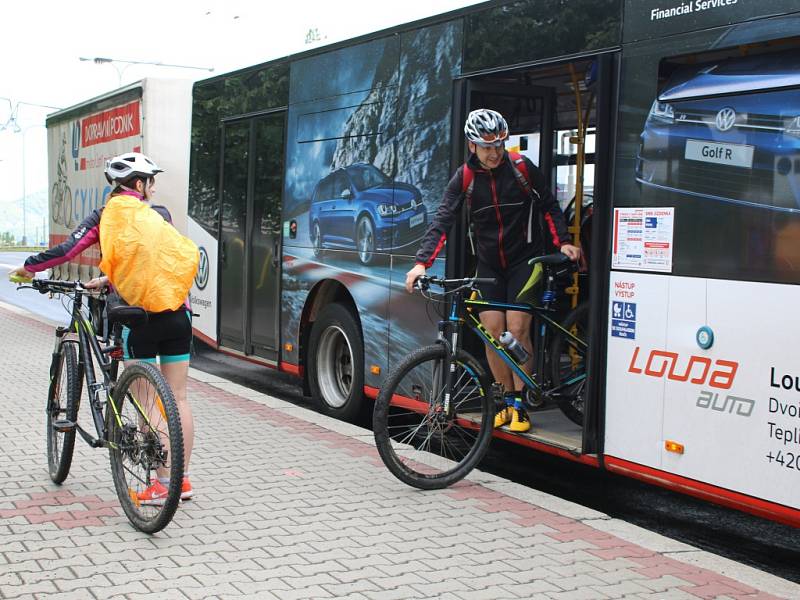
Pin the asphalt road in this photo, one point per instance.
(41, 305)
(750, 540)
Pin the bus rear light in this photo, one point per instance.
(375, 369)
(288, 347)
(675, 447)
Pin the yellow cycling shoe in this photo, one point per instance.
(503, 417)
(520, 422)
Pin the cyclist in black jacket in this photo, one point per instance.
(505, 222)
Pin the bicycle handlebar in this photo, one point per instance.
(44, 286)
(425, 281)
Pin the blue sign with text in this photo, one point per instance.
(623, 320)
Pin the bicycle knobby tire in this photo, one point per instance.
(63, 401)
(144, 431)
(417, 442)
(572, 401)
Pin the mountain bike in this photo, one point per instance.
(134, 414)
(434, 414)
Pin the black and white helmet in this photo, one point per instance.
(122, 168)
(486, 128)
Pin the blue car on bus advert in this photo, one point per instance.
(359, 207)
(727, 130)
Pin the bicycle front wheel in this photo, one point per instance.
(421, 442)
(63, 401)
(145, 443)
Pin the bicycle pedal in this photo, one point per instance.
(63, 425)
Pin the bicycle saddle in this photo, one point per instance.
(130, 316)
(557, 258)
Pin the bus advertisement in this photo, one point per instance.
(668, 132)
(139, 117)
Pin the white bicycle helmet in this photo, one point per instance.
(121, 168)
(486, 128)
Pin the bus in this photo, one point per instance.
(669, 131)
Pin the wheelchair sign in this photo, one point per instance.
(623, 320)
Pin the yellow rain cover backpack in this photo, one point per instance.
(149, 263)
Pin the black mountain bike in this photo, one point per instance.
(135, 416)
(434, 415)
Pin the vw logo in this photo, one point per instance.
(201, 278)
(725, 119)
(413, 204)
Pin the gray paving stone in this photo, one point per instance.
(620, 590)
(286, 510)
(579, 594)
(400, 593)
(305, 593)
(83, 594)
(255, 590)
(359, 587)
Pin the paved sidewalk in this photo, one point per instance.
(292, 504)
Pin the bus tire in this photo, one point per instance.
(336, 363)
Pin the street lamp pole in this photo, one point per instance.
(100, 60)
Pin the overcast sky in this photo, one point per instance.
(42, 42)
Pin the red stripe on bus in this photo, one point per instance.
(290, 368)
(211, 342)
(704, 491)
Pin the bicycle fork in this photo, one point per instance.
(448, 365)
(61, 425)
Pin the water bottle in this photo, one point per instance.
(514, 348)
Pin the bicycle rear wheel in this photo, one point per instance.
(63, 401)
(568, 364)
(418, 442)
(145, 441)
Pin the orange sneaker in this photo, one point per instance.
(155, 495)
(186, 489)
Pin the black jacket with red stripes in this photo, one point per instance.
(506, 230)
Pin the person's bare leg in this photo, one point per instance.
(495, 323)
(145, 395)
(176, 374)
(519, 324)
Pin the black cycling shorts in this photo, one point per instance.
(167, 335)
(520, 283)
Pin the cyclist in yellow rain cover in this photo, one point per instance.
(505, 194)
(166, 338)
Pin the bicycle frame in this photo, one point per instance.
(91, 353)
(460, 312)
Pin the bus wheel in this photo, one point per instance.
(336, 363)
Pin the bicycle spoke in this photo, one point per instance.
(148, 447)
(419, 441)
